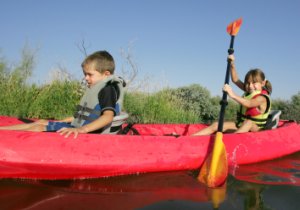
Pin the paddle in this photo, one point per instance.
(214, 170)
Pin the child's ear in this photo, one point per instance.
(107, 73)
(264, 83)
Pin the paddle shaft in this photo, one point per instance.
(224, 102)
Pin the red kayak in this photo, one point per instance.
(42, 155)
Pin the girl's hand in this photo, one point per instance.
(228, 90)
(231, 58)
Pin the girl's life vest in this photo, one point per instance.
(254, 113)
(89, 109)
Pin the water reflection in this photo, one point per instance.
(285, 170)
(269, 185)
(128, 192)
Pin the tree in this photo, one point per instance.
(290, 108)
(294, 110)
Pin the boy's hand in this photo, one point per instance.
(68, 131)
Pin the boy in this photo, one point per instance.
(101, 101)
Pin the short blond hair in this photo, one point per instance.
(102, 60)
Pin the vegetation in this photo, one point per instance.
(290, 108)
(160, 107)
(18, 98)
(190, 104)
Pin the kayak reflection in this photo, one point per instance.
(259, 183)
(125, 192)
(256, 186)
(281, 171)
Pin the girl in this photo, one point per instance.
(255, 103)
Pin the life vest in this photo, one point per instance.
(89, 109)
(254, 113)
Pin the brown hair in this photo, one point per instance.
(257, 75)
(102, 60)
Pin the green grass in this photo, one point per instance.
(158, 107)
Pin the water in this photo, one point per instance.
(269, 185)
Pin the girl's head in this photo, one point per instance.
(255, 80)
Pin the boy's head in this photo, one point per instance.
(98, 66)
(102, 61)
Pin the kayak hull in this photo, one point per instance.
(42, 155)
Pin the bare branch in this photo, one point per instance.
(82, 47)
(129, 74)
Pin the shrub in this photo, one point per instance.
(231, 108)
(290, 109)
(16, 95)
(160, 107)
(56, 100)
(198, 99)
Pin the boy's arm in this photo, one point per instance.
(67, 120)
(107, 100)
(103, 120)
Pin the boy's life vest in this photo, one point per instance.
(254, 113)
(89, 109)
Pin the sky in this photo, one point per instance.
(174, 43)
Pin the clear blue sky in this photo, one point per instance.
(180, 42)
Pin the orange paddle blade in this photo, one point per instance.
(214, 170)
(234, 27)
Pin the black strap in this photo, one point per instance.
(239, 116)
(270, 123)
(86, 109)
(115, 128)
(83, 117)
(129, 127)
(25, 120)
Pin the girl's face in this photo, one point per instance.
(92, 76)
(254, 85)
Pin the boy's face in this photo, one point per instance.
(92, 76)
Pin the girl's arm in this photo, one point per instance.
(248, 103)
(234, 76)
